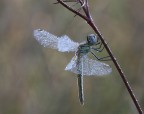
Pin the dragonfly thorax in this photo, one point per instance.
(92, 39)
(84, 48)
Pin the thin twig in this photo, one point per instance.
(72, 10)
(89, 20)
(67, 1)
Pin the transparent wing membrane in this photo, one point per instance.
(90, 67)
(46, 39)
(63, 44)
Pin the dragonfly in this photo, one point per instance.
(80, 64)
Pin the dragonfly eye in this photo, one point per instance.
(92, 39)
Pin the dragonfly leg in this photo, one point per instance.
(98, 50)
(107, 58)
(99, 43)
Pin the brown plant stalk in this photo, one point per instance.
(88, 18)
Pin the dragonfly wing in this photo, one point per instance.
(76, 65)
(72, 65)
(63, 44)
(46, 39)
(90, 67)
(94, 67)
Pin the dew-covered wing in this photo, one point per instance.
(46, 39)
(90, 67)
(63, 44)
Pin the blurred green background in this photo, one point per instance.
(32, 78)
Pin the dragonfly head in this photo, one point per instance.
(92, 39)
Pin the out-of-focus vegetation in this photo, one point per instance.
(32, 78)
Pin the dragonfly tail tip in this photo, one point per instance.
(82, 103)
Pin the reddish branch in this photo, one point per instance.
(87, 17)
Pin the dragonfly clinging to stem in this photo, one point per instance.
(80, 64)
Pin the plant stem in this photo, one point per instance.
(87, 17)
